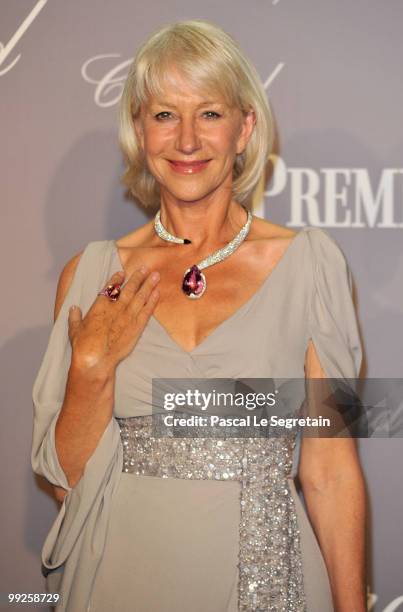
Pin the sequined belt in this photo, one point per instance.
(270, 563)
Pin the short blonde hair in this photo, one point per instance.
(208, 58)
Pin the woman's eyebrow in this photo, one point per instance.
(171, 105)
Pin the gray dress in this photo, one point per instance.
(133, 539)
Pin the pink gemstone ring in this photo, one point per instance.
(111, 291)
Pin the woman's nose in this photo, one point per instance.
(188, 139)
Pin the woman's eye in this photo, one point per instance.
(167, 115)
(212, 114)
(162, 115)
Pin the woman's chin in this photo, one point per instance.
(188, 194)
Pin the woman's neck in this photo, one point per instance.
(204, 223)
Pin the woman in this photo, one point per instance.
(144, 524)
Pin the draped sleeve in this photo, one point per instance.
(333, 325)
(74, 544)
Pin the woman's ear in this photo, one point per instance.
(248, 124)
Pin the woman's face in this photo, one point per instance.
(190, 141)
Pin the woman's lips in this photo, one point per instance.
(188, 167)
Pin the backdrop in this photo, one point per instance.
(332, 71)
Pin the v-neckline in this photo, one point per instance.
(232, 316)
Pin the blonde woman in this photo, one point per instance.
(204, 290)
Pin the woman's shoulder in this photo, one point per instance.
(262, 229)
(267, 230)
(268, 242)
(315, 245)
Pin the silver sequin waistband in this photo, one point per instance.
(270, 564)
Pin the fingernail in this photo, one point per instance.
(155, 276)
(72, 308)
(143, 269)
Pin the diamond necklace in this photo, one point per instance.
(194, 282)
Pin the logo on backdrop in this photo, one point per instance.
(339, 197)
(107, 76)
(5, 50)
(393, 606)
(328, 197)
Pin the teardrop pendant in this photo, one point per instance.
(194, 282)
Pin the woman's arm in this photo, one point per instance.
(87, 403)
(334, 491)
(65, 280)
(106, 335)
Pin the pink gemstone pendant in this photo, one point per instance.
(194, 282)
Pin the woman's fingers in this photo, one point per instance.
(136, 324)
(132, 285)
(129, 323)
(148, 308)
(136, 285)
(115, 279)
(142, 294)
(110, 329)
